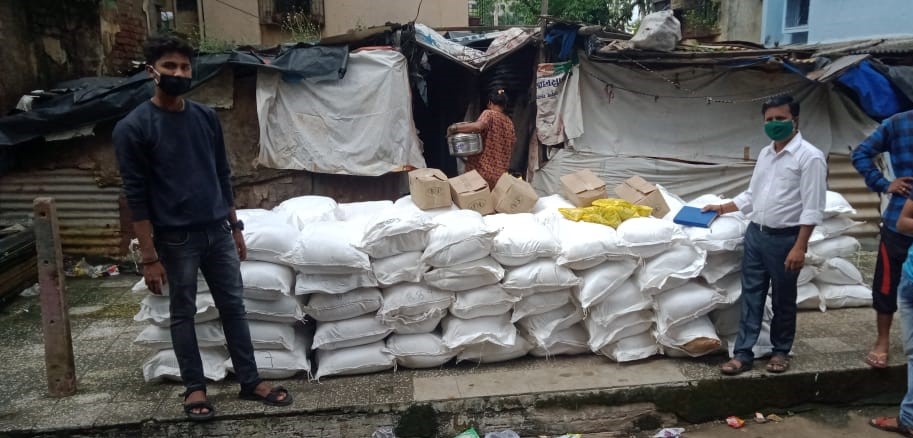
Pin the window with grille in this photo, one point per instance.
(273, 11)
(795, 22)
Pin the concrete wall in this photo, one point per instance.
(740, 20)
(342, 15)
(842, 20)
(236, 21)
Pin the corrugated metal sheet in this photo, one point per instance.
(89, 214)
(844, 179)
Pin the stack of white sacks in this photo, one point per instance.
(389, 284)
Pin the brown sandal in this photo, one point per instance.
(734, 367)
(778, 364)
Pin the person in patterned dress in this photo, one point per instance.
(498, 138)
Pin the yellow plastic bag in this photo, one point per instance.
(610, 212)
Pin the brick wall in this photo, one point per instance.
(124, 30)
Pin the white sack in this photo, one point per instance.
(328, 248)
(584, 244)
(402, 268)
(271, 335)
(808, 297)
(487, 352)
(841, 246)
(686, 303)
(693, 338)
(466, 276)
(337, 307)
(304, 210)
(730, 287)
(807, 274)
(840, 272)
(631, 348)
(396, 231)
(763, 348)
(266, 281)
(550, 205)
(648, 236)
(833, 227)
(360, 124)
(406, 203)
(565, 342)
(836, 205)
(659, 31)
(361, 210)
(521, 239)
(412, 300)
(416, 325)
(599, 282)
(349, 333)
(140, 287)
(540, 303)
(209, 334)
(282, 364)
(419, 351)
(721, 264)
(485, 301)
(155, 309)
(163, 365)
(285, 310)
(627, 298)
(672, 268)
(333, 283)
(725, 234)
(460, 236)
(364, 359)
(539, 276)
(840, 296)
(543, 326)
(492, 329)
(267, 234)
(619, 327)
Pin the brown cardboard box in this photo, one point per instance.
(637, 190)
(512, 195)
(429, 189)
(471, 192)
(583, 187)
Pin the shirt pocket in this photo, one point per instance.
(787, 180)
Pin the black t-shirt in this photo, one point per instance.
(173, 165)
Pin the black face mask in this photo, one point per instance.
(173, 85)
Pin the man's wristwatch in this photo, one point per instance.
(237, 226)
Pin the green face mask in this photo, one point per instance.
(778, 129)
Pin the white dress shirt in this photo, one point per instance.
(787, 188)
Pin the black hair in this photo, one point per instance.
(160, 45)
(498, 97)
(781, 100)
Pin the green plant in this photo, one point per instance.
(704, 16)
(300, 27)
(209, 45)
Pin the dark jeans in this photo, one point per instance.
(210, 249)
(763, 266)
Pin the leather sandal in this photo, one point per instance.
(271, 399)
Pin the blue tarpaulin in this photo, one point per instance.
(875, 93)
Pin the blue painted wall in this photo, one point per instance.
(842, 20)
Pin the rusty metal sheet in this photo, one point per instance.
(89, 215)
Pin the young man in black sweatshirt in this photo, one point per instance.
(177, 182)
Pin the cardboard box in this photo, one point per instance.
(583, 187)
(471, 192)
(512, 195)
(637, 190)
(429, 189)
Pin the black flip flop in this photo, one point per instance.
(271, 399)
(198, 417)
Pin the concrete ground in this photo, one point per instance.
(587, 394)
(832, 422)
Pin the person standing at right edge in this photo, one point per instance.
(785, 201)
(894, 136)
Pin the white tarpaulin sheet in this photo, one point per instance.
(630, 111)
(359, 125)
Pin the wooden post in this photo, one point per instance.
(55, 320)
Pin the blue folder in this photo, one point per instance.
(694, 217)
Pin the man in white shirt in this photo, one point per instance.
(785, 201)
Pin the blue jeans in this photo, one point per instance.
(764, 267)
(211, 250)
(905, 306)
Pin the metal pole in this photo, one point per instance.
(55, 320)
